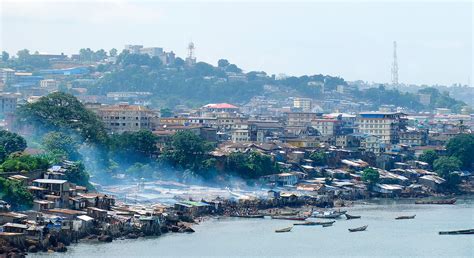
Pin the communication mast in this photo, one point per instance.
(395, 65)
(191, 60)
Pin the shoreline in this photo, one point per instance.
(182, 223)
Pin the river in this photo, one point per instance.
(385, 236)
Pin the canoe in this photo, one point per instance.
(358, 229)
(406, 217)
(446, 201)
(307, 223)
(283, 230)
(352, 216)
(288, 218)
(250, 216)
(327, 225)
(458, 232)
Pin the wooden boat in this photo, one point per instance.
(249, 216)
(358, 229)
(406, 217)
(351, 216)
(329, 215)
(446, 201)
(307, 223)
(458, 232)
(283, 230)
(289, 218)
(327, 225)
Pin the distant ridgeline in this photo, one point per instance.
(195, 84)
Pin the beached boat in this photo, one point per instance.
(352, 216)
(289, 218)
(406, 217)
(446, 201)
(283, 230)
(458, 232)
(358, 229)
(249, 216)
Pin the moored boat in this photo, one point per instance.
(329, 223)
(289, 218)
(406, 217)
(249, 216)
(284, 230)
(307, 223)
(458, 232)
(328, 215)
(351, 216)
(445, 201)
(358, 229)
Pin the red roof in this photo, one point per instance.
(220, 105)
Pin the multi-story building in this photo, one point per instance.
(219, 109)
(327, 127)
(8, 102)
(414, 137)
(49, 84)
(127, 118)
(301, 118)
(7, 75)
(302, 103)
(133, 49)
(385, 125)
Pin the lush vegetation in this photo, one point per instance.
(371, 176)
(61, 146)
(447, 168)
(132, 147)
(319, 158)
(11, 142)
(15, 193)
(251, 165)
(429, 156)
(18, 162)
(442, 100)
(462, 147)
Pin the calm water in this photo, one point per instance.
(385, 236)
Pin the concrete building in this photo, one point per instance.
(49, 84)
(385, 125)
(7, 75)
(305, 104)
(133, 49)
(301, 118)
(127, 118)
(327, 127)
(8, 102)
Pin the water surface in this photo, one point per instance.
(385, 236)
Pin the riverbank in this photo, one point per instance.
(131, 222)
(385, 236)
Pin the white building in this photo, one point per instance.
(385, 125)
(303, 103)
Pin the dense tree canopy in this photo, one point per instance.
(61, 144)
(11, 142)
(15, 193)
(188, 151)
(319, 158)
(63, 112)
(462, 147)
(251, 165)
(429, 156)
(132, 147)
(371, 176)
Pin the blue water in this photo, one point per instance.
(385, 236)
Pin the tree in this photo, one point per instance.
(100, 55)
(371, 176)
(233, 68)
(22, 162)
(77, 174)
(429, 156)
(319, 158)
(132, 147)
(166, 112)
(113, 52)
(62, 112)
(5, 56)
(15, 193)
(446, 167)
(23, 55)
(251, 165)
(188, 151)
(61, 144)
(462, 147)
(222, 63)
(11, 142)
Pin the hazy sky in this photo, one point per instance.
(348, 39)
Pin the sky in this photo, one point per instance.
(353, 40)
